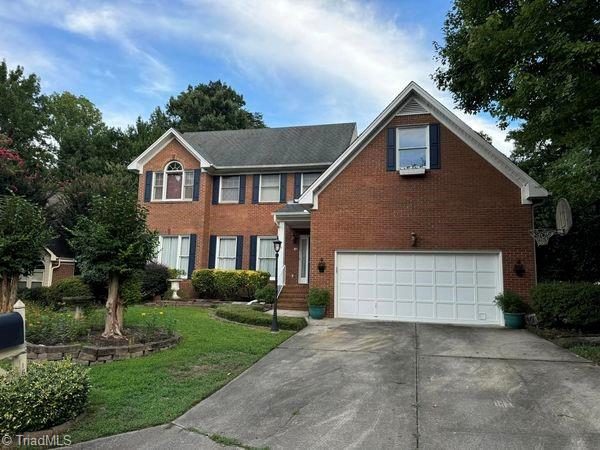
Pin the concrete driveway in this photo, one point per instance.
(350, 384)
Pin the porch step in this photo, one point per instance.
(293, 297)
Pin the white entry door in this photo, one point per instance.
(421, 287)
(303, 264)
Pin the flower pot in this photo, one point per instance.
(514, 320)
(316, 312)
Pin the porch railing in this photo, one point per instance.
(280, 280)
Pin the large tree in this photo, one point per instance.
(110, 243)
(23, 235)
(212, 106)
(536, 64)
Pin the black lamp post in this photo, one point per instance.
(277, 247)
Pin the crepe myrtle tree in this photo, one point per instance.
(23, 236)
(110, 243)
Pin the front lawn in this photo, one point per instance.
(137, 393)
(588, 351)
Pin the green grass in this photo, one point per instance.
(243, 314)
(588, 351)
(132, 394)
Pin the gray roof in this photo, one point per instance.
(312, 144)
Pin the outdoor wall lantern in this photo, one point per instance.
(413, 239)
(321, 266)
(519, 269)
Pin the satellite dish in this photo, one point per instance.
(564, 219)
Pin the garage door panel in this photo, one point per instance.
(440, 287)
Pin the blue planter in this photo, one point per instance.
(316, 312)
(514, 320)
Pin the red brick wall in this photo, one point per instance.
(65, 270)
(204, 218)
(465, 205)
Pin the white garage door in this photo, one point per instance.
(423, 287)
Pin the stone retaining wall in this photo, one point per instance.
(89, 355)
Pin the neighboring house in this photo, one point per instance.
(57, 262)
(418, 218)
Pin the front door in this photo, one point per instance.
(304, 251)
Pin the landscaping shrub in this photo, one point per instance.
(154, 280)
(37, 295)
(243, 314)
(228, 284)
(266, 294)
(509, 302)
(48, 327)
(49, 394)
(571, 305)
(131, 289)
(67, 287)
(203, 281)
(318, 297)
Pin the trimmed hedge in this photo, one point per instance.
(228, 284)
(572, 305)
(67, 287)
(266, 294)
(154, 280)
(243, 314)
(49, 394)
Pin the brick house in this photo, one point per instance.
(57, 262)
(417, 218)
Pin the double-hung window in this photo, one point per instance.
(269, 188)
(230, 190)
(36, 279)
(307, 180)
(226, 252)
(174, 252)
(265, 257)
(174, 183)
(413, 148)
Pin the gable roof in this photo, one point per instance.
(411, 97)
(311, 145)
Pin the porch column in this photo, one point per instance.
(281, 237)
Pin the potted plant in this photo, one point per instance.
(174, 279)
(513, 307)
(318, 299)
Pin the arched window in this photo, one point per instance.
(178, 185)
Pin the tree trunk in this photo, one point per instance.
(114, 310)
(8, 292)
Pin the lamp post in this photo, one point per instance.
(277, 247)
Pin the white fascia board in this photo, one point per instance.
(137, 165)
(53, 257)
(529, 187)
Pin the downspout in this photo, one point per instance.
(52, 271)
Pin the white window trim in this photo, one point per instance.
(218, 248)
(260, 188)
(398, 150)
(256, 263)
(179, 255)
(164, 186)
(231, 202)
(302, 190)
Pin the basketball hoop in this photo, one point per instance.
(542, 235)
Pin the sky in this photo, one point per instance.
(298, 62)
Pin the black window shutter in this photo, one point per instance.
(434, 146)
(282, 187)
(192, 257)
(252, 265)
(239, 252)
(148, 186)
(255, 187)
(212, 250)
(297, 185)
(196, 194)
(242, 189)
(215, 195)
(391, 149)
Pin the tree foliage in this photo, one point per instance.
(212, 106)
(536, 64)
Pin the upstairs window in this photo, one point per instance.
(307, 180)
(230, 190)
(269, 188)
(413, 148)
(179, 183)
